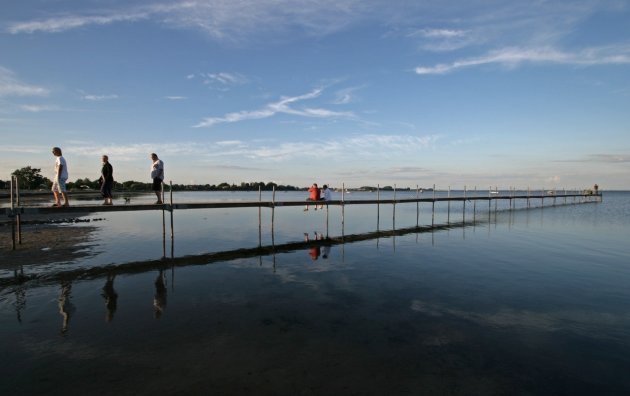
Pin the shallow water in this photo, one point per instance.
(518, 302)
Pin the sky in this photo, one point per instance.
(470, 93)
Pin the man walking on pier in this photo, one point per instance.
(107, 181)
(59, 180)
(157, 174)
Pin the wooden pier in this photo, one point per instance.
(553, 198)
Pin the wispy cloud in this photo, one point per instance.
(346, 95)
(602, 158)
(63, 23)
(99, 98)
(38, 108)
(10, 85)
(282, 106)
(513, 57)
(175, 97)
(221, 81)
(224, 20)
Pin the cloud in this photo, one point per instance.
(175, 97)
(346, 95)
(98, 98)
(220, 19)
(282, 106)
(602, 158)
(38, 108)
(513, 57)
(11, 86)
(225, 78)
(63, 23)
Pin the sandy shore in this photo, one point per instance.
(43, 243)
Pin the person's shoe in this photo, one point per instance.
(158, 202)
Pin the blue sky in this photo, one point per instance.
(452, 93)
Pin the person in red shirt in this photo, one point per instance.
(313, 195)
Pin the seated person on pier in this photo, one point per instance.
(313, 192)
(326, 195)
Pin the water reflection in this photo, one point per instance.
(111, 297)
(159, 299)
(514, 312)
(66, 308)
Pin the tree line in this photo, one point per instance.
(31, 179)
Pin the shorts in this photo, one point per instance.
(59, 185)
(157, 184)
(106, 189)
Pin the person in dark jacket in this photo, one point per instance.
(107, 181)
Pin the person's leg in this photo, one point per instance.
(65, 199)
(55, 190)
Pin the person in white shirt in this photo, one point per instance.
(157, 174)
(60, 178)
(326, 195)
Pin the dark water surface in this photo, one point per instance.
(521, 302)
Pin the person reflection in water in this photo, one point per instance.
(159, 300)
(111, 297)
(314, 251)
(66, 308)
(325, 251)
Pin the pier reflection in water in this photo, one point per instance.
(532, 302)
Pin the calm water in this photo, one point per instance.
(516, 302)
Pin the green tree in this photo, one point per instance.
(31, 178)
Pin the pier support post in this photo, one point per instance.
(259, 215)
(475, 206)
(378, 206)
(464, 207)
(417, 206)
(448, 210)
(433, 208)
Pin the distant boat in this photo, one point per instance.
(494, 191)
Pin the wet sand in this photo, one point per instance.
(43, 243)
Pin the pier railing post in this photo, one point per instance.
(417, 206)
(475, 206)
(18, 217)
(464, 206)
(394, 209)
(448, 210)
(433, 208)
(378, 206)
(172, 209)
(343, 210)
(12, 212)
(259, 215)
